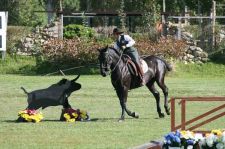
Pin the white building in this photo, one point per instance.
(3, 30)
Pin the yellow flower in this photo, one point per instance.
(22, 112)
(71, 120)
(207, 134)
(217, 132)
(30, 118)
(66, 116)
(83, 114)
(75, 115)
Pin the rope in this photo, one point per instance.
(63, 70)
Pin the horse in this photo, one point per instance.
(112, 61)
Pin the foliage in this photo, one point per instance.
(14, 34)
(22, 12)
(71, 51)
(165, 48)
(74, 31)
(18, 65)
(122, 15)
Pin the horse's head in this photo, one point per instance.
(105, 61)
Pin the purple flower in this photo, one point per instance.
(190, 142)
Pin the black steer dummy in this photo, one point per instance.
(54, 95)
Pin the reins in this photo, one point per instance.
(117, 62)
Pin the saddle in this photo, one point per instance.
(132, 66)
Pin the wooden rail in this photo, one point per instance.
(184, 123)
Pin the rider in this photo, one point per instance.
(125, 43)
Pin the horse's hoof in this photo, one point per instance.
(161, 115)
(136, 115)
(121, 120)
(168, 111)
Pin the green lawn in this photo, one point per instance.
(97, 97)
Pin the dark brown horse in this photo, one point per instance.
(122, 79)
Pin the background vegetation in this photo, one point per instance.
(97, 95)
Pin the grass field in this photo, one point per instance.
(97, 97)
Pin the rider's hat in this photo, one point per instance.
(117, 31)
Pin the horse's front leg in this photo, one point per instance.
(122, 95)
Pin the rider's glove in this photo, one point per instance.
(123, 47)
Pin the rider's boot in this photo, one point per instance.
(141, 75)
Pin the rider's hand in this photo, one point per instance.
(123, 47)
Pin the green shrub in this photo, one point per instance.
(73, 30)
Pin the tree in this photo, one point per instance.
(22, 12)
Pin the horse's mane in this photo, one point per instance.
(117, 52)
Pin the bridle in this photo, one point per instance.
(117, 63)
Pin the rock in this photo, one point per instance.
(204, 60)
(192, 48)
(199, 62)
(196, 53)
(204, 55)
(199, 49)
(190, 56)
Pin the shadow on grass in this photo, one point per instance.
(48, 120)
(91, 120)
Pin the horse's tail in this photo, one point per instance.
(24, 90)
(168, 66)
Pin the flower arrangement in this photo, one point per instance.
(29, 115)
(191, 140)
(213, 140)
(172, 139)
(72, 115)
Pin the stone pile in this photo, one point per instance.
(193, 53)
(30, 45)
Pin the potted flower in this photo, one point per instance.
(189, 139)
(172, 140)
(72, 115)
(213, 140)
(29, 115)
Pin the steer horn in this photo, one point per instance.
(76, 78)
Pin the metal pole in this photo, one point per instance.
(213, 23)
(164, 19)
(179, 29)
(60, 33)
(186, 15)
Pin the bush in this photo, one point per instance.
(165, 48)
(69, 51)
(73, 30)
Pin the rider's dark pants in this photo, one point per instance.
(133, 53)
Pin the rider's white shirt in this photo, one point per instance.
(130, 41)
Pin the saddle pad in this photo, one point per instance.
(144, 66)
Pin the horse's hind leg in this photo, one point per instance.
(164, 88)
(156, 94)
